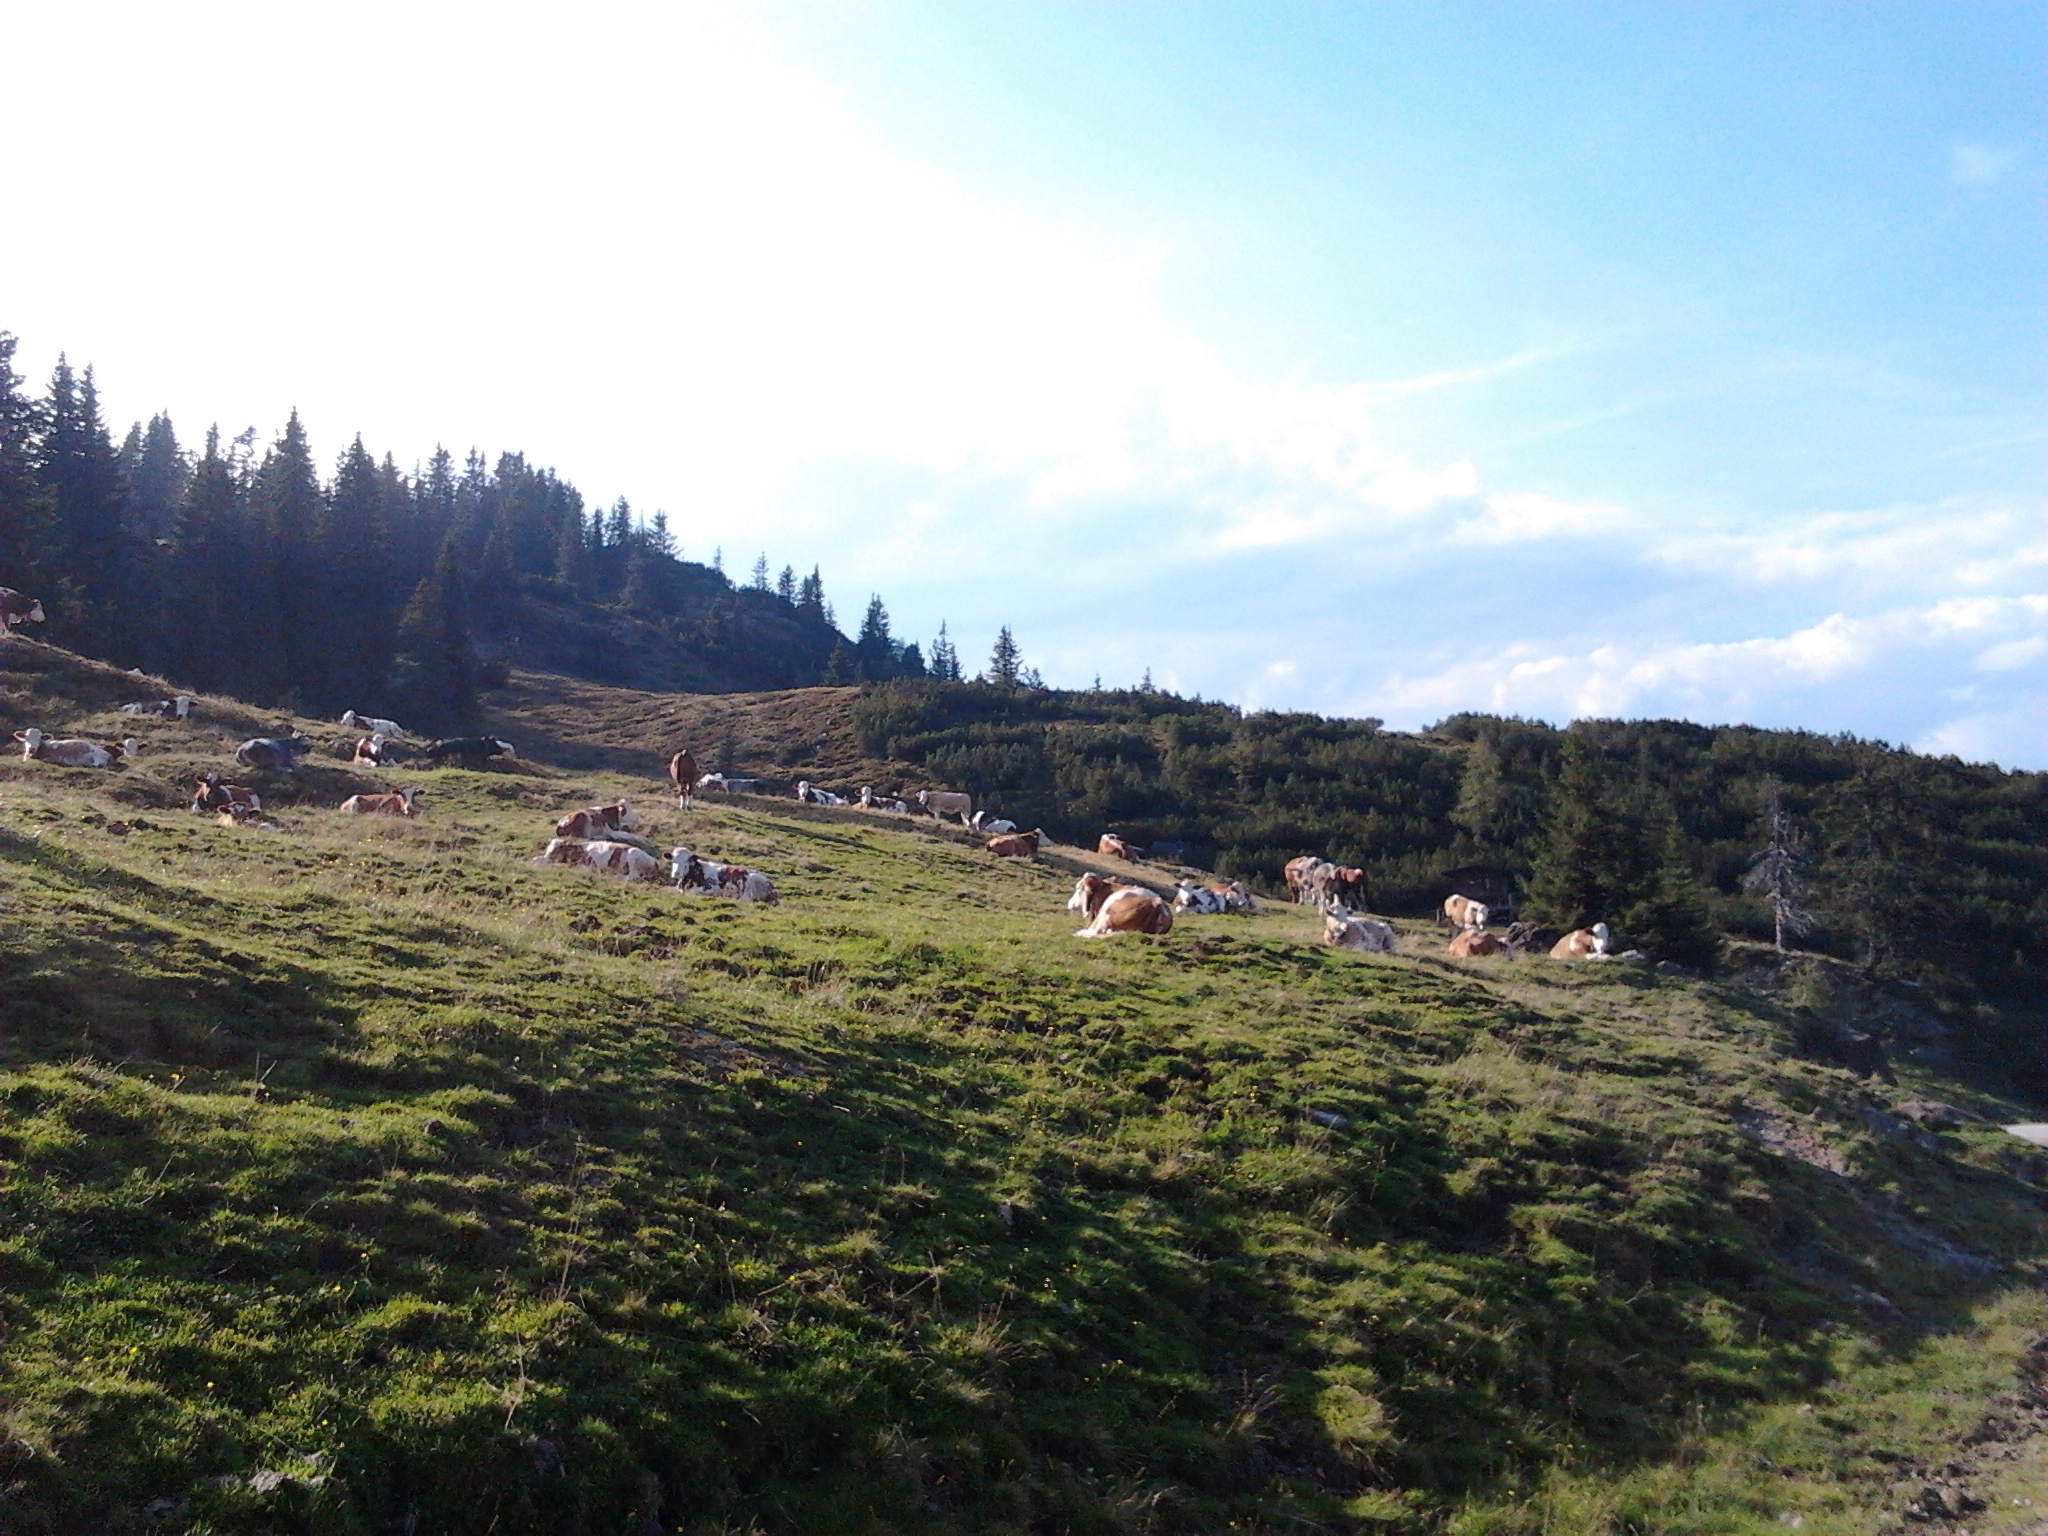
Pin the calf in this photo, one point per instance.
(1128, 909)
(209, 794)
(397, 803)
(469, 749)
(1117, 848)
(1582, 944)
(1463, 912)
(598, 821)
(621, 859)
(73, 751)
(371, 723)
(1343, 931)
(1473, 942)
(18, 609)
(687, 872)
(279, 752)
(947, 802)
(179, 708)
(1017, 845)
(682, 773)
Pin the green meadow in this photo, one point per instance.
(360, 1176)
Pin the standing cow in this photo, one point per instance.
(682, 772)
(947, 802)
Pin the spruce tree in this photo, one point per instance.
(810, 594)
(1781, 872)
(785, 585)
(1005, 661)
(1567, 887)
(945, 665)
(874, 651)
(760, 578)
(436, 674)
(355, 600)
(87, 562)
(214, 644)
(290, 609)
(24, 503)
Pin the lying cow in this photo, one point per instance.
(279, 752)
(1190, 897)
(1473, 942)
(947, 802)
(179, 708)
(371, 752)
(687, 872)
(1090, 891)
(1582, 944)
(73, 751)
(598, 821)
(1463, 912)
(1344, 931)
(682, 773)
(1117, 848)
(1128, 909)
(469, 749)
(806, 790)
(15, 608)
(209, 794)
(621, 859)
(729, 786)
(371, 723)
(397, 803)
(1017, 845)
(243, 816)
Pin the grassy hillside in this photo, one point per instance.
(363, 1177)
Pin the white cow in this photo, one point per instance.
(371, 723)
(1344, 931)
(947, 802)
(73, 752)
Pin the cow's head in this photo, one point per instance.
(31, 741)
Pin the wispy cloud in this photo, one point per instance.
(1979, 165)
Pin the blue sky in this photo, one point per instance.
(1387, 359)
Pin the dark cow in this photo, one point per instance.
(279, 752)
(209, 794)
(16, 608)
(469, 749)
(682, 772)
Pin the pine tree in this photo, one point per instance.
(945, 666)
(810, 595)
(910, 660)
(840, 667)
(214, 644)
(24, 503)
(1567, 885)
(1781, 872)
(760, 578)
(785, 585)
(874, 651)
(659, 540)
(1884, 857)
(156, 472)
(436, 674)
(290, 509)
(353, 603)
(1005, 661)
(87, 560)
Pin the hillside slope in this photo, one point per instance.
(360, 1176)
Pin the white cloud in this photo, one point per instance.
(1978, 165)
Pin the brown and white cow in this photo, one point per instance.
(1464, 912)
(1128, 909)
(1367, 934)
(1090, 891)
(947, 802)
(370, 752)
(209, 794)
(687, 872)
(16, 608)
(621, 859)
(1017, 845)
(1473, 942)
(397, 803)
(73, 751)
(598, 821)
(371, 723)
(1112, 846)
(1582, 943)
(1234, 895)
(682, 773)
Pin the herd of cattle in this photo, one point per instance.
(606, 838)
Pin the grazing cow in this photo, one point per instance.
(371, 752)
(598, 821)
(1463, 912)
(1582, 943)
(470, 749)
(1189, 897)
(280, 752)
(73, 751)
(1017, 845)
(1472, 942)
(1117, 848)
(209, 794)
(179, 708)
(371, 723)
(1369, 934)
(1128, 909)
(621, 859)
(947, 802)
(682, 772)
(18, 609)
(1349, 888)
(1294, 871)
(687, 872)
(397, 803)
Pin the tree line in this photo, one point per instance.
(241, 568)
